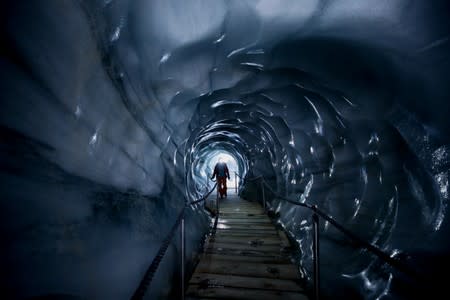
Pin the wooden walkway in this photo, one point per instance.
(248, 258)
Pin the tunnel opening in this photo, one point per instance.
(202, 168)
(226, 158)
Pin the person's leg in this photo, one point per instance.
(220, 186)
(223, 183)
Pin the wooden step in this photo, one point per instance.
(249, 226)
(281, 271)
(239, 203)
(205, 280)
(237, 211)
(239, 206)
(247, 240)
(242, 233)
(268, 259)
(251, 247)
(247, 220)
(243, 252)
(244, 216)
(241, 293)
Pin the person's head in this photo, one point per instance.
(220, 160)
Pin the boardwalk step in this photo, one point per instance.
(246, 227)
(268, 259)
(244, 221)
(256, 246)
(242, 293)
(246, 240)
(282, 271)
(206, 280)
(250, 234)
(242, 252)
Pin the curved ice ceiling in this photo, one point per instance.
(112, 119)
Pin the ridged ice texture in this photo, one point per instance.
(112, 112)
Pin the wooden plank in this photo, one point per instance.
(208, 280)
(246, 232)
(243, 252)
(265, 223)
(245, 221)
(253, 233)
(246, 240)
(229, 211)
(240, 293)
(249, 226)
(281, 271)
(239, 203)
(274, 259)
(236, 211)
(259, 247)
(244, 216)
(240, 207)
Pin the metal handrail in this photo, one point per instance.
(204, 197)
(151, 270)
(315, 218)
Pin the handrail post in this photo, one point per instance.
(315, 219)
(183, 244)
(263, 194)
(207, 186)
(235, 181)
(217, 203)
(218, 206)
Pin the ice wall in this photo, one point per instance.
(88, 190)
(111, 111)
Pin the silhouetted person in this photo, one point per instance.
(221, 173)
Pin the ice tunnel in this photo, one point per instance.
(113, 114)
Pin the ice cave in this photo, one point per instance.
(114, 112)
